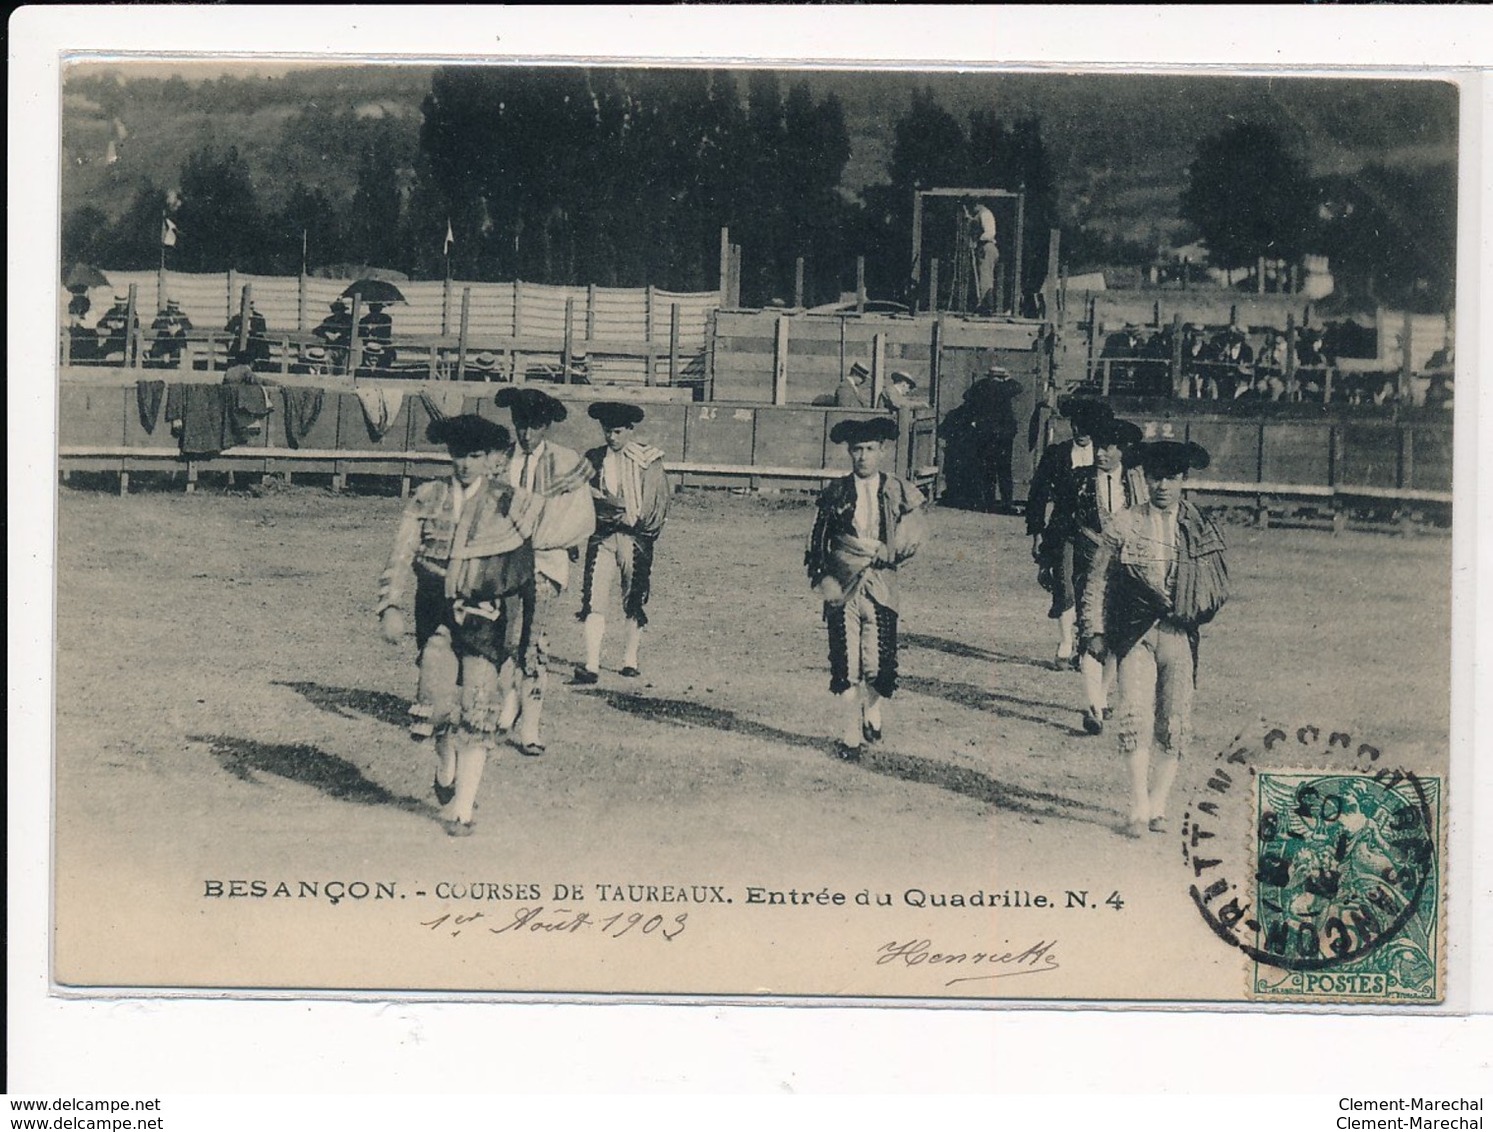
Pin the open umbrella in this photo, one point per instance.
(84, 277)
(374, 291)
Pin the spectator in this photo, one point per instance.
(256, 349)
(170, 330)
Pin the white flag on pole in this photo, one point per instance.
(168, 232)
(450, 237)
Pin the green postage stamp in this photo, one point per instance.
(1321, 857)
(1347, 887)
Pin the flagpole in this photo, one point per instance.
(161, 274)
(303, 251)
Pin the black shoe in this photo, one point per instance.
(443, 794)
(1109, 713)
(870, 734)
(584, 676)
(846, 753)
(630, 671)
(1092, 723)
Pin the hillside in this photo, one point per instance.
(1120, 144)
(307, 125)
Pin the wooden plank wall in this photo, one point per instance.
(100, 429)
(822, 347)
(704, 444)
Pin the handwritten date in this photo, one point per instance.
(538, 919)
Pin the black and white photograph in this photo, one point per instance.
(855, 533)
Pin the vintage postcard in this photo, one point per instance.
(764, 532)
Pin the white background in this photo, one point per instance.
(135, 1047)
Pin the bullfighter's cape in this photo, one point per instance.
(479, 555)
(837, 551)
(1128, 592)
(642, 502)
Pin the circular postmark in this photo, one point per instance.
(1312, 858)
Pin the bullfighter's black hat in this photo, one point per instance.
(530, 407)
(467, 433)
(858, 430)
(1117, 433)
(1085, 413)
(1163, 458)
(616, 414)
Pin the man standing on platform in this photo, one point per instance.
(984, 252)
(562, 478)
(631, 494)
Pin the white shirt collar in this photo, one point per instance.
(460, 494)
(527, 462)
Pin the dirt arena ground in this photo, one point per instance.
(226, 710)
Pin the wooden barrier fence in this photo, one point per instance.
(1337, 462)
(750, 446)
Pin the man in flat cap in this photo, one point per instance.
(901, 392)
(466, 541)
(1157, 577)
(851, 392)
(868, 524)
(562, 479)
(1055, 484)
(631, 495)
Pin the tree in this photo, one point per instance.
(1016, 160)
(85, 237)
(1249, 196)
(308, 214)
(133, 242)
(372, 227)
(816, 148)
(929, 150)
(1391, 235)
(219, 217)
(625, 177)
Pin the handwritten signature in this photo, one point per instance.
(1034, 960)
(561, 921)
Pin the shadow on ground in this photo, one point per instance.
(335, 777)
(349, 703)
(909, 768)
(996, 703)
(970, 652)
